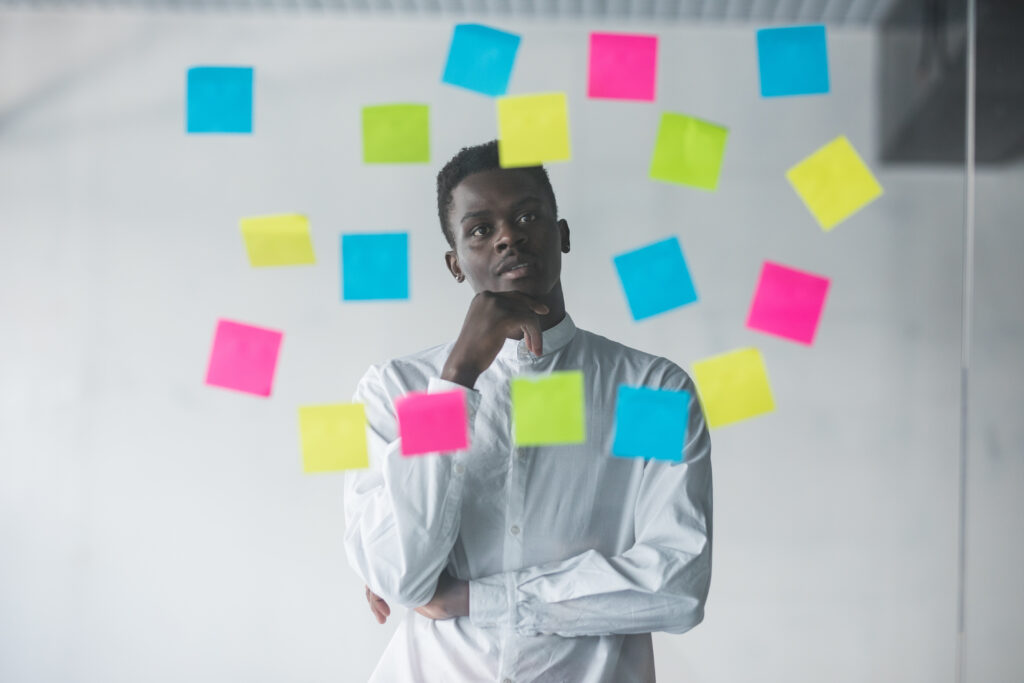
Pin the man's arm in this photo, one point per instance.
(402, 514)
(659, 584)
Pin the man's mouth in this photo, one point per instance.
(516, 270)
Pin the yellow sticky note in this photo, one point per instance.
(549, 409)
(278, 240)
(733, 386)
(333, 437)
(834, 182)
(533, 129)
(396, 134)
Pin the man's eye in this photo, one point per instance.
(480, 230)
(528, 218)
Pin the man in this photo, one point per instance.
(551, 563)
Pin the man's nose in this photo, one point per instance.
(509, 235)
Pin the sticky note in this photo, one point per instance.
(688, 151)
(792, 60)
(432, 423)
(733, 386)
(375, 266)
(333, 437)
(650, 423)
(788, 302)
(480, 58)
(219, 99)
(243, 358)
(834, 183)
(396, 134)
(281, 240)
(655, 278)
(532, 129)
(549, 409)
(622, 66)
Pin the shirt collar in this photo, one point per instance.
(554, 339)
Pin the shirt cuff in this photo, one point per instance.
(489, 601)
(437, 385)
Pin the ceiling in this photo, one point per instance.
(832, 12)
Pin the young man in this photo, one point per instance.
(551, 563)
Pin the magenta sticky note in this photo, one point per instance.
(788, 302)
(244, 357)
(623, 66)
(432, 423)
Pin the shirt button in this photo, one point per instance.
(459, 468)
(514, 529)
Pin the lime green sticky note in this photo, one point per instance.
(549, 409)
(281, 240)
(533, 129)
(733, 386)
(688, 151)
(396, 134)
(333, 437)
(834, 183)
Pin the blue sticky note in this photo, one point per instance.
(655, 278)
(650, 423)
(219, 99)
(480, 58)
(793, 60)
(375, 266)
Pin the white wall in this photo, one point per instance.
(155, 529)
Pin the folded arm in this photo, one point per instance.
(659, 584)
(402, 514)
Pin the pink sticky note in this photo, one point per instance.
(788, 302)
(622, 66)
(243, 357)
(431, 423)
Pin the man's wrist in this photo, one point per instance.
(459, 374)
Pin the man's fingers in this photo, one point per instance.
(534, 339)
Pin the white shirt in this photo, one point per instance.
(573, 556)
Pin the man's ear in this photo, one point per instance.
(451, 260)
(563, 229)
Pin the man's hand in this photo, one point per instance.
(379, 608)
(451, 599)
(492, 318)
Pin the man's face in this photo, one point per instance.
(507, 237)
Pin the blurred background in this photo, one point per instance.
(153, 528)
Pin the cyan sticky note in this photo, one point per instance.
(655, 278)
(793, 60)
(243, 358)
(219, 99)
(650, 423)
(375, 266)
(480, 58)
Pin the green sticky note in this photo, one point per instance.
(549, 409)
(396, 134)
(688, 151)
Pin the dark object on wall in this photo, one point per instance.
(923, 81)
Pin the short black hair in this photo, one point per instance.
(472, 160)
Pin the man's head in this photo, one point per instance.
(502, 224)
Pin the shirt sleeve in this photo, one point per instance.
(402, 514)
(659, 584)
